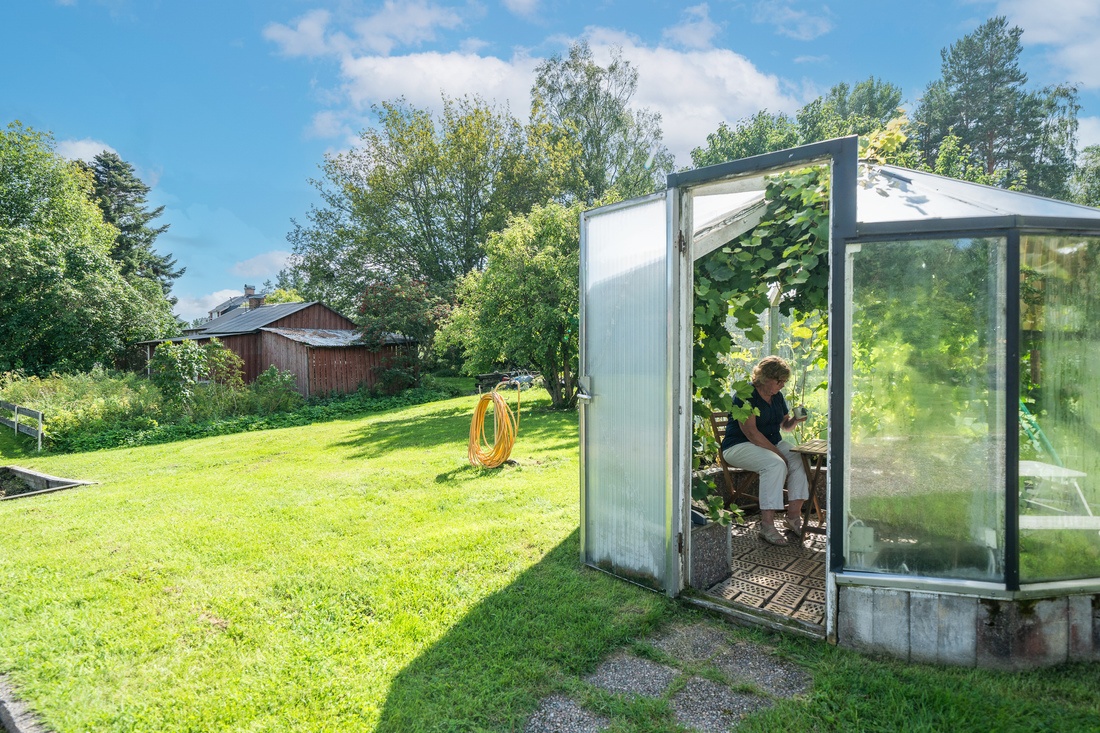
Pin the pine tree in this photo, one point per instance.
(120, 195)
(1020, 138)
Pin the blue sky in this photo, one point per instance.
(227, 108)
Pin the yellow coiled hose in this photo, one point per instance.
(505, 427)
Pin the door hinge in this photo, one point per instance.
(680, 542)
(682, 243)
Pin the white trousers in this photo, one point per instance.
(774, 473)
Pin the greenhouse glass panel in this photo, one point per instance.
(1059, 408)
(925, 472)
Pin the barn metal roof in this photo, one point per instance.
(243, 320)
(331, 337)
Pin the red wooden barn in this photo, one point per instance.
(309, 339)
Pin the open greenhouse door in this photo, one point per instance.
(716, 205)
(630, 524)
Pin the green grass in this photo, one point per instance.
(360, 575)
(460, 385)
(303, 578)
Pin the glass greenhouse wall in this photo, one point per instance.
(1059, 407)
(969, 414)
(926, 408)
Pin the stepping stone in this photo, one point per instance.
(712, 708)
(560, 714)
(624, 673)
(747, 662)
(691, 643)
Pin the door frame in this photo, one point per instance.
(842, 156)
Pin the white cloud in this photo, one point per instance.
(693, 89)
(85, 149)
(306, 38)
(524, 8)
(190, 307)
(262, 265)
(788, 21)
(422, 77)
(473, 45)
(696, 90)
(1068, 28)
(1088, 132)
(395, 24)
(330, 123)
(696, 30)
(406, 23)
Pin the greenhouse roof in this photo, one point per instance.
(890, 194)
(889, 199)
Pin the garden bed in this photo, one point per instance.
(16, 482)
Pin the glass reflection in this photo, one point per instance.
(1059, 408)
(926, 472)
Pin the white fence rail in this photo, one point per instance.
(22, 427)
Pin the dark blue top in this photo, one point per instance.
(767, 422)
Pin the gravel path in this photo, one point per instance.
(754, 679)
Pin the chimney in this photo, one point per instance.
(249, 289)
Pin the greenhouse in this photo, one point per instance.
(958, 409)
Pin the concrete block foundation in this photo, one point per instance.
(966, 631)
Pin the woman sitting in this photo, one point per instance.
(755, 444)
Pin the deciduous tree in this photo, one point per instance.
(858, 110)
(64, 305)
(522, 310)
(620, 147)
(416, 198)
(405, 307)
(1086, 180)
(764, 132)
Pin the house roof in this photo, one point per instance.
(331, 337)
(233, 302)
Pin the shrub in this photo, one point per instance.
(274, 391)
(396, 375)
(78, 407)
(99, 409)
(176, 368)
(205, 381)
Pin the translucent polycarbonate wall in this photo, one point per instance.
(926, 408)
(625, 424)
(1060, 407)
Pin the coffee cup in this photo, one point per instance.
(799, 413)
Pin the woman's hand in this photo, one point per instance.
(790, 423)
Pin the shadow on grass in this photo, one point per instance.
(553, 623)
(541, 426)
(12, 447)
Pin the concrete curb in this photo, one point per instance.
(16, 717)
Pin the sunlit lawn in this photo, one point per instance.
(281, 580)
(359, 575)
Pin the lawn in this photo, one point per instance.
(360, 575)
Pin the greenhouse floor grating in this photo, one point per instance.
(788, 581)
